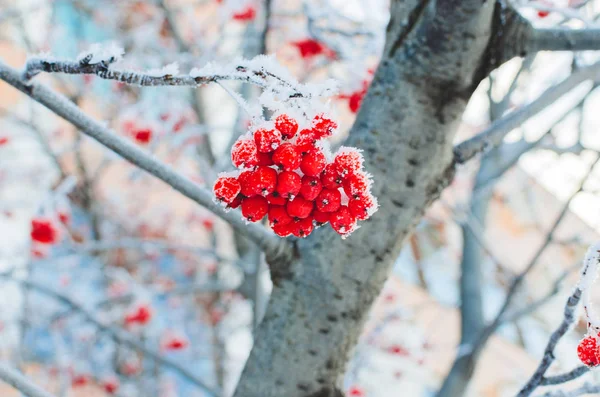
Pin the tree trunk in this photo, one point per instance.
(436, 54)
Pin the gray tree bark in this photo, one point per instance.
(435, 56)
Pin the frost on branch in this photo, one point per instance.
(588, 350)
(97, 53)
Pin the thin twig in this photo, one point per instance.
(21, 382)
(273, 246)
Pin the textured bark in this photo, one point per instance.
(406, 125)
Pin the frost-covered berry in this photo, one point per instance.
(278, 215)
(267, 140)
(283, 230)
(110, 385)
(356, 184)
(286, 125)
(587, 351)
(323, 127)
(44, 231)
(313, 162)
(311, 187)
(355, 100)
(302, 227)
(244, 153)
(276, 199)
(342, 221)
(226, 189)
(321, 217)
(331, 177)
(287, 157)
(306, 141)
(288, 184)
(363, 207)
(248, 188)
(329, 200)
(349, 160)
(255, 208)
(141, 315)
(263, 180)
(299, 208)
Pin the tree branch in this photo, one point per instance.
(566, 377)
(585, 389)
(495, 133)
(116, 334)
(275, 248)
(21, 382)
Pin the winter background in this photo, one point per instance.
(134, 257)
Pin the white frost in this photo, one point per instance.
(102, 52)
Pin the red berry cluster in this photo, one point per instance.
(588, 351)
(288, 177)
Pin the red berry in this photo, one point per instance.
(299, 208)
(288, 184)
(3, 140)
(44, 231)
(348, 159)
(313, 162)
(355, 100)
(248, 188)
(255, 208)
(331, 177)
(175, 343)
(226, 189)
(321, 217)
(141, 315)
(286, 125)
(323, 127)
(356, 184)
(587, 351)
(543, 14)
(311, 187)
(356, 391)
(244, 153)
(329, 200)
(111, 385)
(278, 215)
(302, 227)
(143, 136)
(363, 207)
(283, 230)
(276, 199)
(265, 159)
(306, 141)
(287, 157)
(245, 15)
(79, 380)
(267, 140)
(342, 221)
(263, 180)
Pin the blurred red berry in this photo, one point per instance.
(44, 231)
(143, 136)
(248, 14)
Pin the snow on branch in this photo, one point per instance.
(117, 334)
(495, 133)
(262, 71)
(21, 382)
(588, 276)
(275, 249)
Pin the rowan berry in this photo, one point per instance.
(299, 208)
(286, 125)
(44, 231)
(311, 187)
(226, 189)
(313, 162)
(331, 177)
(356, 184)
(255, 208)
(302, 227)
(267, 140)
(288, 184)
(348, 160)
(363, 207)
(342, 221)
(278, 215)
(287, 157)
(244, 153)
(329, 200)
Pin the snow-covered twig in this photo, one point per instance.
(275, 248)
(495, 133)
(589, 273)
(117, 334)
(21, 382)
(566, 377)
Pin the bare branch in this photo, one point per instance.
(495, 133)
(548, 359)
(274, 247)
(566, 377)
(116, 334)
(21, 382)
(585, 389)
